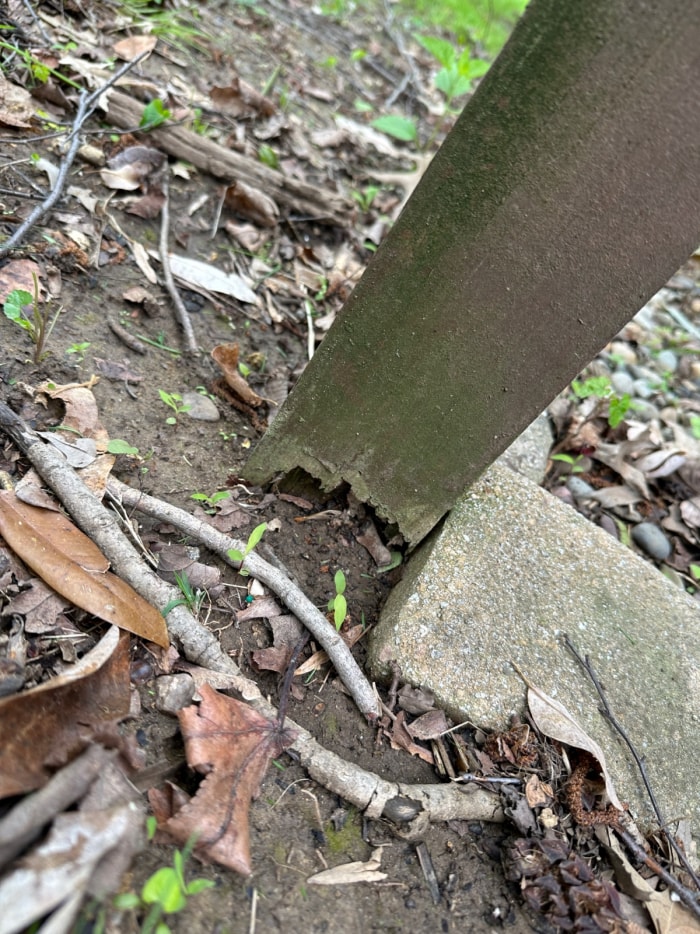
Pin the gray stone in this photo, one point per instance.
(667, 361)
(512, 570)
(529, 453)
(579, 488)
(652, 540)
(622, 383)
(173, 692)
(201, 407)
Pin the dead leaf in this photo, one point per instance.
(131, 167)
(226, 357)
(134, 46)
(251, 203)
(369, 538)
(240, 99)
(351, 873)
(429, 725)
(45, 727)
(400, 738)
(555, 721)
(203, 275)
(18, 274)
(68, 561)
(16, 108)
(286, 633)
(232, 745)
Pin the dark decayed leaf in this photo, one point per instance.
(232, 744)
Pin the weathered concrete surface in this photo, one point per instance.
(511, 570)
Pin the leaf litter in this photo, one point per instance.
(281, 280)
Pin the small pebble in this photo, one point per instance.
(201, 407)
(643, 411)
(667, 361)
(642, 389)
(622, 383)
(173, 692)
(623, 351)
(578, 488)
(652, 540)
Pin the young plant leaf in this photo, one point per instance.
(399, 127)
(340, 610)
(255, 536)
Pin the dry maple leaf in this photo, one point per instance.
(232, 744)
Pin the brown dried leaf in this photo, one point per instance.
(131, 167)
(232, 744)
(68, 561)
(429, 725)
(349, 873)
(251, 203)
(240, 99)
(400, 738)
(226, 357)
(555, 721)
(16, 108)
(133, 46)
(286, 633)
(49, 725)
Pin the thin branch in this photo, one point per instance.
(340, 655)
(365, 790)
(180, 310)
(86, 105)
(607, 712)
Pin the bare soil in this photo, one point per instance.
(297, 827)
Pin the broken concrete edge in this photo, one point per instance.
(302, 472)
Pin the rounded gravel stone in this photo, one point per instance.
(622, 382)
(667, 361)
(652, 540)
(578, 488)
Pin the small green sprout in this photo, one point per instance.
(209, 502)
(25, 310)
(174, 401)
(601, 388)
(458, 71)
(365, 198)
(154, 114)
(268, 156)
(78, 350)
(573, 461)
(253, 539)
(164, 893)
(118, 446)
(401, 128)
(338, 604)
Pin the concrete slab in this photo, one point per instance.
(511, 570)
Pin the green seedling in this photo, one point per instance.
(174, 401)
(25, 310)
(401, 128)
(118, 446)
(268, 156)
(39, 70)
(159, 343)
(190, 598)
(601, 388)
(458, 70)
(694, 421)
(78, 350)
(366, 198)
(253, 539)
(165, 893)
(338, 604)
(154, 114)
(209, 502)
(574, 462)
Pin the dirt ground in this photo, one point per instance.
(298, 263)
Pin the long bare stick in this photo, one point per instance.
(180, 310)
(348, 670)
(364, 789)
(86, 105)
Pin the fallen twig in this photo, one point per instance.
(86, 105)
(347, 668)
(321, 204)
(180, 310)
(606, 711)
(364, 789)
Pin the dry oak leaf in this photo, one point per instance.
(226, 358)
(232, 745)
(70, 563)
